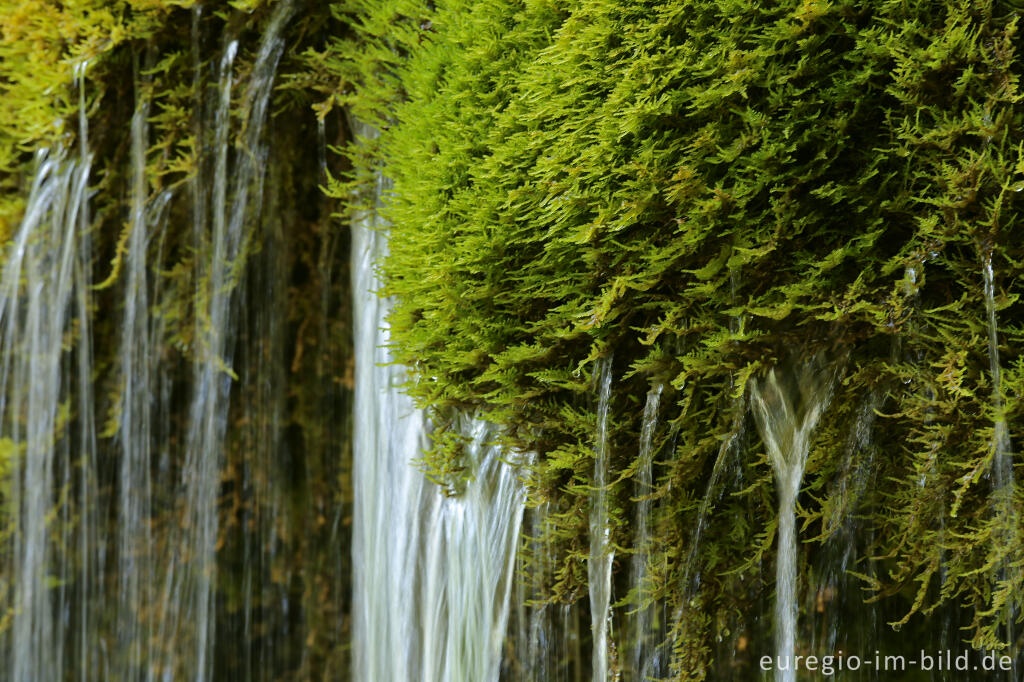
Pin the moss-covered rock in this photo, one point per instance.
(704, 190)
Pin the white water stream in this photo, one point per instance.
(432, 573)
(599, 566)
(41, 278)
(787, 407)
(1003, 484)
(645, 638)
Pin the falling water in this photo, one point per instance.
(191, 600)
(787, 407)
(547, 646)
(36, 293)
(726, 460)
(110, 573)
(89, 547)
(642, 619)
(431, 573)
(599, 567)
(835, 594)
(467, 566)
(1002, 451)
(135, 542)
(712, 493)
(1002, 464)
(535, 655)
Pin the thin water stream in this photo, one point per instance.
(36, 293)
(599, 567)
(1003, 483)
(644, 631)
(787, 406)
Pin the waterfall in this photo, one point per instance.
(135, 548)
(834, 594)
(535, 648)
(1002, 452)
(44, 299)
(642, 621)
(116, 566)
(1002, 457)
(599, 567)
(547, 646)
(787, 408)
(88, 545)
(467, 566)
(432, 572)
(41, 277)
(725, 462)
(189, 599)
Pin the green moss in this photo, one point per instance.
(706, 189)
(702, 188)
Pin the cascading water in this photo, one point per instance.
(835, 593)
(41, 275)
(120, 566)
(432, 573)
(201, 531)
(467, 566)
(599, 567)
(189, 602)
(787, 409)
(726, 461)
(1003, 484)
(547, 646)
(643, 620)
(535, 638)
(88, 545)
(135, 547)
(1002, 464)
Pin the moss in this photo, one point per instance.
(707, 189)
(44, 47)
(701, 189)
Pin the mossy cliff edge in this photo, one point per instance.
(698, 191)
(702, 191)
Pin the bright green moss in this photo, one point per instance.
(707, 189)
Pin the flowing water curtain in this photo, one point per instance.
(832, 594)
(84, 626)
(135, 551)
(688, 617)
(262, 524)
(533, 656)
(45, 461)
(1007, 515)
(146, 611)
(548, 646)
(645, 632)
(223, 229)
(432, 572)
